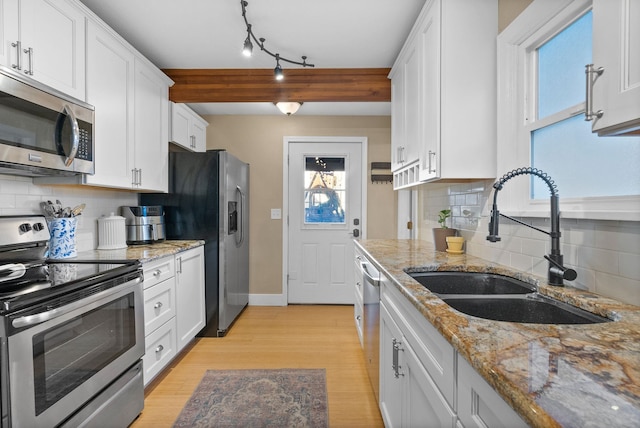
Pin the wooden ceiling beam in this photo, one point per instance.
(259, 85)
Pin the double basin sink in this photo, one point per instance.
(501, 298)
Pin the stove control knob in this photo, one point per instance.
(25, 227)
(38, 227)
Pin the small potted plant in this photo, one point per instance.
(440, 233)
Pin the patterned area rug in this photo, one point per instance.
(258, 398)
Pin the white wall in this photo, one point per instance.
(606, 254)
(19, 196)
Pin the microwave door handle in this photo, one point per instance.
(75, 134)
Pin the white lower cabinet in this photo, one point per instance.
(191, 315)
(173, 307)
(409, 395)
(160, 349)
(159, 316)
(478, 403)
(423, 380)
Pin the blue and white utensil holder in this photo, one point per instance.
(62, 244)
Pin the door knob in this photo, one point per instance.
(356, 233)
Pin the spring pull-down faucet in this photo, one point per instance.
(557, 272)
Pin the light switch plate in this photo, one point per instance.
(276, 213)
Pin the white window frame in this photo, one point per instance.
(516, 114)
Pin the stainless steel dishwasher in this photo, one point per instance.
(371, 323)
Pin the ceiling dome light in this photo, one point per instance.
(288, 108)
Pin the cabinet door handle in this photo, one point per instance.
(158, 305)
(431, 170)
(592, 75)
(18, 46)
(29, 53)
(179, 260)
(159, 348)
(395, 361)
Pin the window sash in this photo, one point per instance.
(517, 109)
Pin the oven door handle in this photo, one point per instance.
(12, 271)
(34, 319)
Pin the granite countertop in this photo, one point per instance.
(143, 253)
(552, 375)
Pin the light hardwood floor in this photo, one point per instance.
(297, 336)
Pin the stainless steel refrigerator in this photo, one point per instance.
(209, 199)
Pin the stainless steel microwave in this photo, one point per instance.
(42, 131)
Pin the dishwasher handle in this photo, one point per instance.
(370, 273)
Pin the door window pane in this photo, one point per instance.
(561, 63)
(324, 190)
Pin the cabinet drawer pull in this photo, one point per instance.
(159, 348)
(592, 75)
(29, 53)
(157, 273)
(431, 170)
(18, 46)
(395, 364)
(158, 305)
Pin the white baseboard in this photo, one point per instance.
(267, 300)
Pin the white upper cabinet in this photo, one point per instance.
(188, 130)
(151, 128)
(45, 40)
(110, 80)
(616, 48)
(131, 130)
(444, 92)
(405, 80)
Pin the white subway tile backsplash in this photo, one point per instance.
(19, 196)
(629, 265)
(623, 289)
(606, 254)
(598, 259)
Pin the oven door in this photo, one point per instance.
(61, 358)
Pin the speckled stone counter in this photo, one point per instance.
(552, 375)
(143, 253)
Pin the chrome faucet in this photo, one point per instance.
(557, 272)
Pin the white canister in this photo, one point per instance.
(111, 232)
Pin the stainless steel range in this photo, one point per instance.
(71, 334)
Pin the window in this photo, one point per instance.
(541, 123)
(324, 190)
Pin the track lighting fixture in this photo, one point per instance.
(247, 49)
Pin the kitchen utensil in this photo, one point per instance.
(77, 210)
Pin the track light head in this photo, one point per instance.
(277, 72)
(247, 49)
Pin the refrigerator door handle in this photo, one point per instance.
(240, 234)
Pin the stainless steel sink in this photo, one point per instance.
(531, 308)
(471, 283)
(501, 298)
